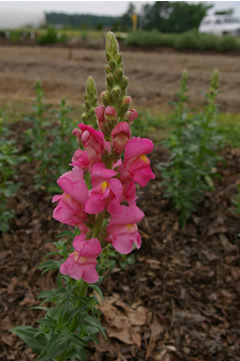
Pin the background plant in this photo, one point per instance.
(193, 146)
(9, 160)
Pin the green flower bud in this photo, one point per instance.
(116, 92)
(110, 80)
(112, 65)
(124, 82)
(118, 74)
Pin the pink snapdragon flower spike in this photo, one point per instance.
(82, 263)
(71, 204)
(106, 189)
(136, 162)
(120, 136)
(122, 228)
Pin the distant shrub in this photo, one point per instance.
(16, 36)
(191, 40)
(50, 37)
(186, 41)
(148, 39)
(2, 34)
(99, 27)
(228, 43)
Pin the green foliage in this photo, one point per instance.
(16, 36)
(190, 40)
(51, 37)
(51, 144)
(9, 160)
(173, 16)
(148, 124)
(193, 146)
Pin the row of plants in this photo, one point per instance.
(191, 40)
(44, 37)
(48, 142)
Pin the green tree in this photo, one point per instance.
(174, 17)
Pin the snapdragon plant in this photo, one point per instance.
(193, 146)
(99, 203)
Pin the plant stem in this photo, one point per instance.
(97, 228)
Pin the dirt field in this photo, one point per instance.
(154, 77)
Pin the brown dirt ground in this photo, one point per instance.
(179, 301)
(154, 76)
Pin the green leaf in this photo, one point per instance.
(97, 289)
(31, 337)
(95, 323)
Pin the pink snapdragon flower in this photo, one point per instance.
(82, 263)
(120, 135)
(136, 162)
(71, 204)
(122, 228)
(93, 142)
(80, 159)
(106, 189)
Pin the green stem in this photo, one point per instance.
(98, 225)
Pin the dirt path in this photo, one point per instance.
(154, 77)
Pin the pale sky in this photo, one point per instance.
(114, 8)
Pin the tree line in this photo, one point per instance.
(164, 16)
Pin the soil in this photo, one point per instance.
(154, 76)
(178, 301)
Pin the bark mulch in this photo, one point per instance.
(178, 301)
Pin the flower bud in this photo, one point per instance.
(116, 92)
(118, 74)
(99, 111)
(110, 113)
(120, 135)
(77, 132)
(124, 82)
(127, 100)
(110, 79)
(131, 115)
(112, 65)
(105, 95)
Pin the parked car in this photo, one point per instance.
(220, 25)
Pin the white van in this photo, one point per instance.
(220, 25)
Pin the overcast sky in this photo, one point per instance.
(100, 7)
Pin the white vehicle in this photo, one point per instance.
(220, 25)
